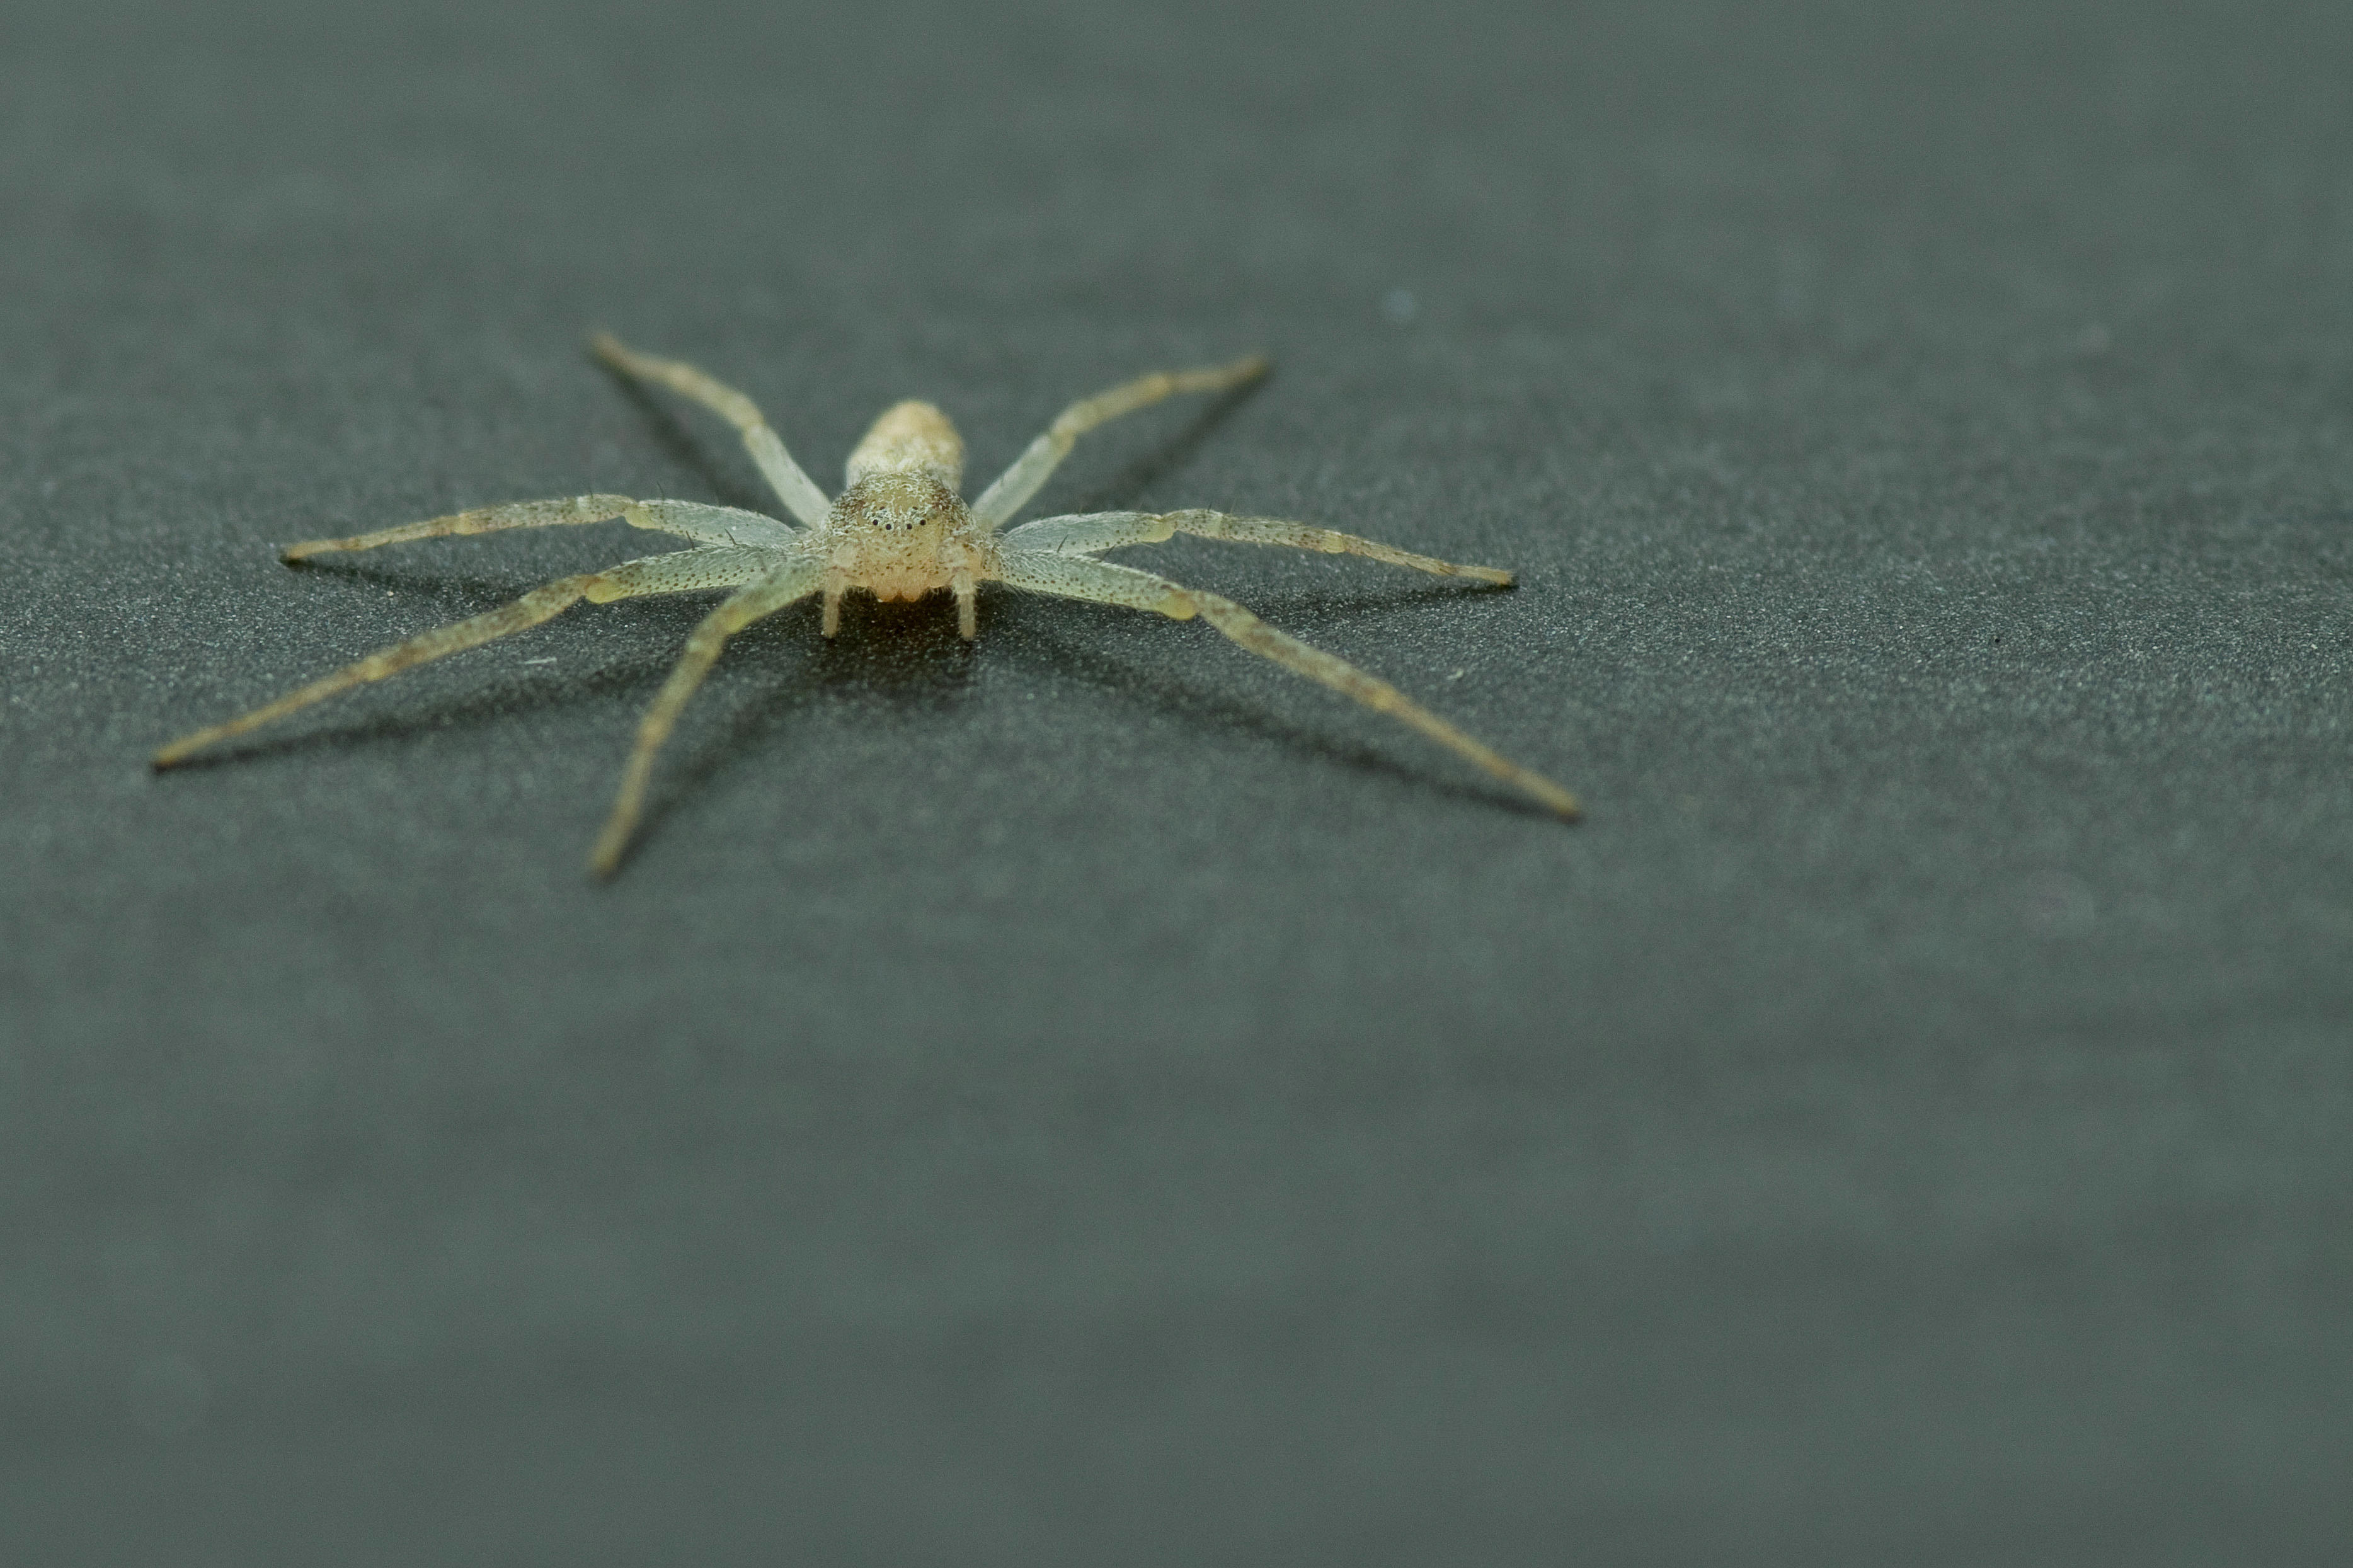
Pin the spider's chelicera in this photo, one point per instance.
(900, 531)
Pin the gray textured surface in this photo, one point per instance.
(1090, 1097)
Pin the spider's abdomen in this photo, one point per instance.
(910, 438)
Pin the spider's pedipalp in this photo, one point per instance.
(1031, 470)
(676, 571)
(1101, 582)
(799, 492)
(967, 590)
(785, 582)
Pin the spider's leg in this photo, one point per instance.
(780, 586)
(678, 571)
(1014, 487)
(801, 496)
(1084, 533)
(692, 520)
(1075, 577)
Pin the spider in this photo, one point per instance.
(898, 531)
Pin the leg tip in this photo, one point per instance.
(1562, 804)
(166, 757)
(612, 847)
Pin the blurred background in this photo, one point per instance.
(1091, 1097)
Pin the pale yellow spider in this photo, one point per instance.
(899, 532)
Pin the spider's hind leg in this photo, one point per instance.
(786, 476)
(1012, 490)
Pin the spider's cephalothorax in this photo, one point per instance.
(893, 511)
(896, 534)
(900, 531)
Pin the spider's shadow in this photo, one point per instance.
(1171, 694)
(681, 445)
(909, 658)
(905, 658)
(1140, 473)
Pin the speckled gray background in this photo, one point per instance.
(1091, 1097)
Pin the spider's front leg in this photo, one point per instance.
(690, 520)
(678, 571)
(784, 583)
(1084, 533)
(1099, 581)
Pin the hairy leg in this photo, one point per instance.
(691, 519)
(1075, 577)
(1030, 470)
(800, 494)
(1084, 533)
(794, 580)
(678, 571)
